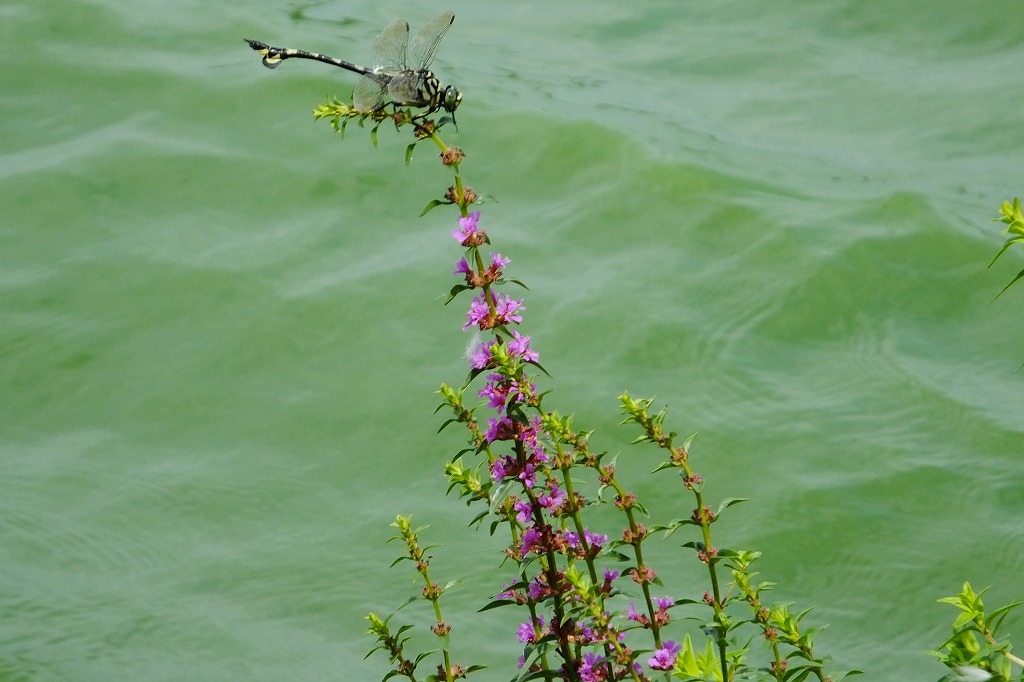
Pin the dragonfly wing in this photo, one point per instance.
(404, 89)
(368, 95)
(424, 44)
(391, 48)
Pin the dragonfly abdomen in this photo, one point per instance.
(272, 56)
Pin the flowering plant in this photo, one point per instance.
(594, 609)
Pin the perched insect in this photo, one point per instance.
(400, 75)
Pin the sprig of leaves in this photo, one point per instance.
(974, 651)
(1012, 215)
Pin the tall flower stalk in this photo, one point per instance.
(594, 608)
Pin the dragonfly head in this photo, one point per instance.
(451, 98)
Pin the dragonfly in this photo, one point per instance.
(401, 73)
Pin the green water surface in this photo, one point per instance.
(221, 325)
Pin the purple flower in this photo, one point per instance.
(520, 346)
(573, 538)
(610, 574)
(462, 267)
(588, 668)
(632, 612)
(530, 438)
(481, 355)
(468, 228)
(495, 392)
(522, 391)
(665, 602)
(503, 467)
(595, 540)
(665, 657)
(531, 541)
(507, 309)
(522, 508)
(585, 634)
(499, 429)
(527, 632)
(498, 261)
(528, 475)
(553, 498)
(477, 313)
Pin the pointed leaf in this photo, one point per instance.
(1012, 281)
(728, 502)
(431, 205)
(497, 603)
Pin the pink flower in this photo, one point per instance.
(665, 657)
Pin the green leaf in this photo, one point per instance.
(447, 422)
(1006, 245)
(667, 464)
(1012, 282)
(408, 153)
(455, 291)
(995, 619)
(728, 502)
(431, 205)
(541, 675)
(497, 603)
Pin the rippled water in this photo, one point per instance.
(222, 325)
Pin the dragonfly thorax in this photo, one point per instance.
(423, 89)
